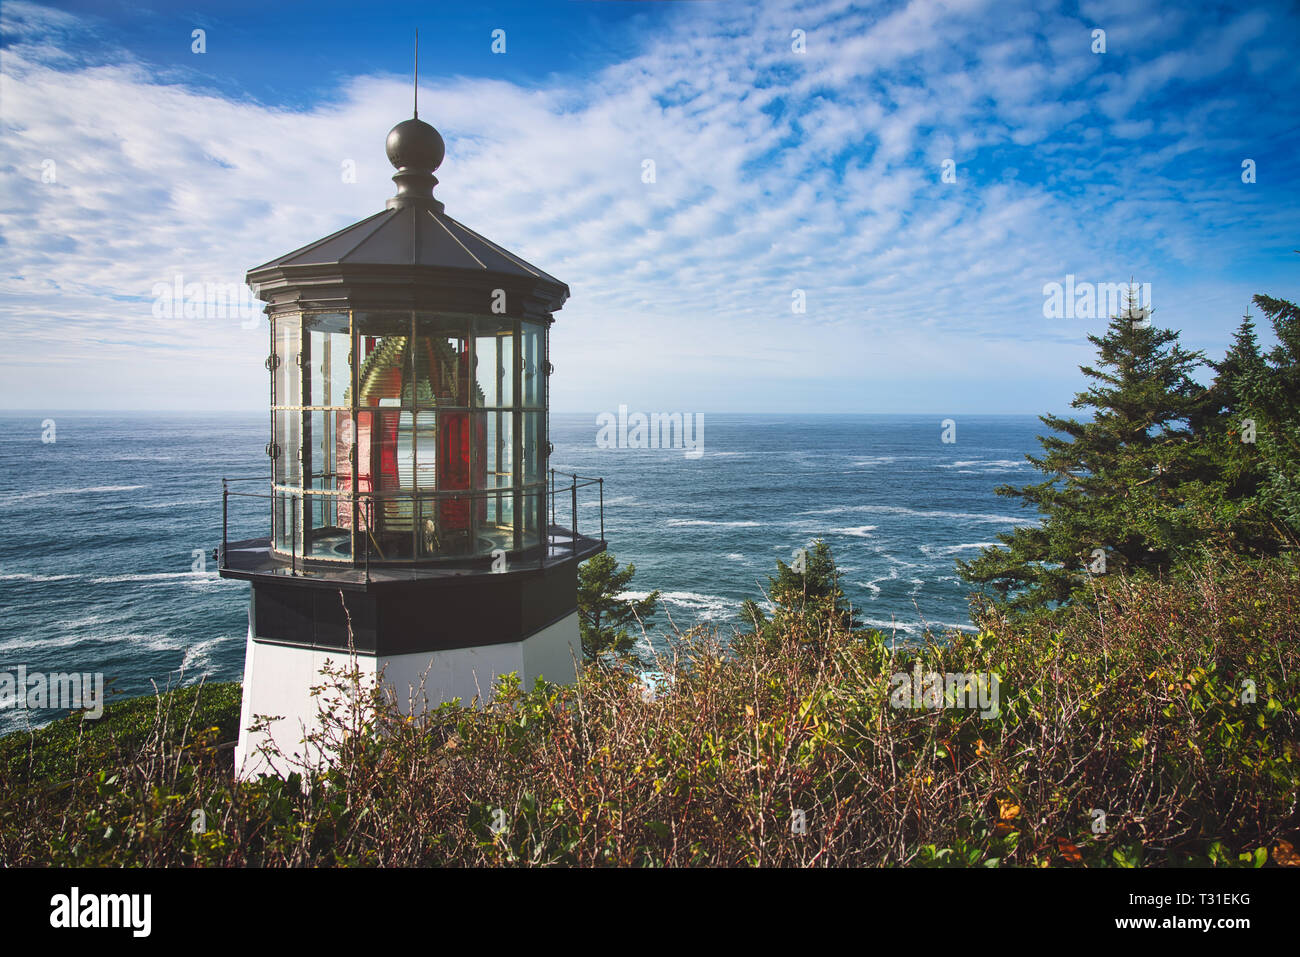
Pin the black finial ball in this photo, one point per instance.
(414, 144)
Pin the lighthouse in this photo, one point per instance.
(413, 526)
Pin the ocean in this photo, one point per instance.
(107, 532)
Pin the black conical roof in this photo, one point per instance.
(410, 236)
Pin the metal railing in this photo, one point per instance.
(578, 482)
(548, 542)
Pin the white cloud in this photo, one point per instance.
(774, 172)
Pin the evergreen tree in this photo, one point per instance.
(604, 616)
(1227, 497)
(1112, 493)
(1242, 359)
(1270, 398)
(810, 588)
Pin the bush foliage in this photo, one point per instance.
(1133, 704)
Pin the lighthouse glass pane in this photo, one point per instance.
(385, 451)
(453, 517)
(460, 446)
(494, 368)
(364, 430)
(532, 347)
(428, 542)
(533, 456)
(345, 432)
(383, 343)
(385, 466)
(286, 521)
(394, 527)
(326, 455)
(288, 437)
(328, 345)
(426, 450)
(287, 385)
(498, 449)
(441, 362)
(498, 518)
(327, 540)
(533, 501)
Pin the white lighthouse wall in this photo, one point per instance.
(278, 679)
(552, 652)
(277, 683)
(469, 673)
(426, 679)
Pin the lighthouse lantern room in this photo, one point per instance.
(412, 510)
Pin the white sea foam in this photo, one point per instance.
(874, 583)
(989, 465)
(699, 521)
(902, 510)
(92, 623)
(933, 550)
(704, 606)
(42, 642)
(887, 626)
(25, 577)
(195, 577)
(15, 497)
(198, 656)
(915, 627)
(70, 638)
(861, 531)
(895, 561)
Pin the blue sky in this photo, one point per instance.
(775, 171)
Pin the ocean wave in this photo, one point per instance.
(44, 641)
(156, 577)
(988, 464)
(915, 627)
(93, 621)
(679, 522)
(861, 531)
(903, 510)
(14, 497)
(895, 561)
(200, 654)
(908, 627)
(933, 550)
(26, 577)
(708, 607)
